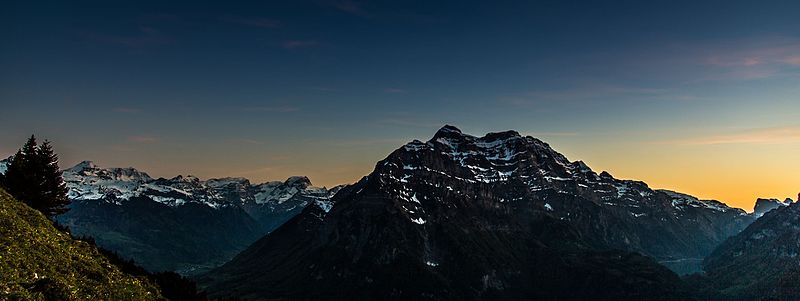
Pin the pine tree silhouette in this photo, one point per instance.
(19, 175)
(54, 190)
(33, 176)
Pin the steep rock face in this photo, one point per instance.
(765, 205)
(507, 168)
(276, 202)
(183, 223)
(761, 262)
(365, 248)
(3, 166)
(500, 216)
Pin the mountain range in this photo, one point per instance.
(180, 224)
(503, 216)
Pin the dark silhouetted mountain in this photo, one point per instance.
(764, 205)
(761, 262)
(181, 224)
(497, 217)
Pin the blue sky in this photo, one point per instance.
(326, 88)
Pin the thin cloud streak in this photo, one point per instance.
(746, 59)
(351, 7)
(586, 92)
(775, 135)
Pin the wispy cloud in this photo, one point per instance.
(142, 139)
(774, 135)
(251, 21)
(351, 7)
(774, 52)
(748, 59)
(294, 44)
(589, 91)
(792, 60)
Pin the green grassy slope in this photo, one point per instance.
(39, 262)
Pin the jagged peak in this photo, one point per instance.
(90, 169)
(764, 205)
(185, 179)
(218, 182)
(452, 132)
(501, 135)
(446, 129)
(83, 165)
(676, 194)
(581, 166)
(301, 181)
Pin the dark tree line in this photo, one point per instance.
(172, 285)
(33, 177)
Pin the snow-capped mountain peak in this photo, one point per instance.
(506, 170)
(83, 165)
(89, 169)
(301, 182)
(87, 181)
(185, 179)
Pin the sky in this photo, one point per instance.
(701, 97)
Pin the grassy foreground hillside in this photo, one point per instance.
(39, 262)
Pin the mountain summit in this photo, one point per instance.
(503, 216)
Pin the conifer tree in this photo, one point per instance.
(54, 190)
(33, 176)
(19, 175)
